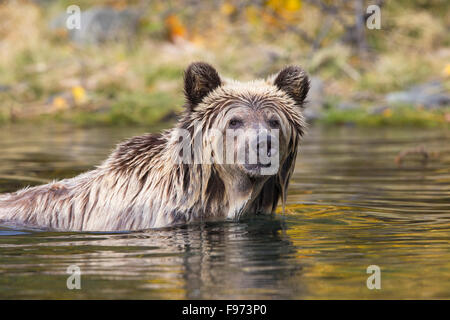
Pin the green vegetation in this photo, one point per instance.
(133, 109)
(399, 116)
(138, 79)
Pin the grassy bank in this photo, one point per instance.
(399, 116)
(162, 108)
(44, 75)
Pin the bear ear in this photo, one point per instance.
(199, 79)
(295, 82)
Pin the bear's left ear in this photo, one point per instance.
(295, 82)
(199, 79)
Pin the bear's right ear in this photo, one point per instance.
(199, 79)
(294, 81)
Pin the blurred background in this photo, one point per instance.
(124, 65)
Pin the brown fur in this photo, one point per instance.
(140, 186)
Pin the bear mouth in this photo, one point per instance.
(256, 169)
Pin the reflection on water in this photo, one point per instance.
(226, 260)
(350, 205)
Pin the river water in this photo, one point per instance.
(350, 205)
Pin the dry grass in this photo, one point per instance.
(40, 66)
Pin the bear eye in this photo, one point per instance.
(274, 123)
(235, 123)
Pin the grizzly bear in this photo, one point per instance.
(180, 176)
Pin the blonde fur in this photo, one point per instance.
(140, 187)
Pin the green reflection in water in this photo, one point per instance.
(350, 205)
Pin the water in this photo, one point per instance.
(350, 205)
